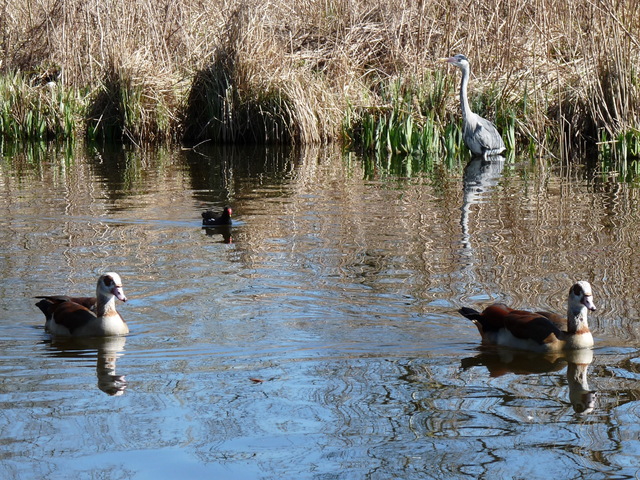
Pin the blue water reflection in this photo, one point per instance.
(320, 338)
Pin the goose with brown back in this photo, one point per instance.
(86, 316)
(537, 331)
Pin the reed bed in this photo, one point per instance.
(554, 77)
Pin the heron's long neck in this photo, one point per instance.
(464, 102)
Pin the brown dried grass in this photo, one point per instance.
(301, 64)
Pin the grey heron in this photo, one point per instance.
(479, 134)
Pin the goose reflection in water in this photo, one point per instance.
(107, 349)
(501, 362)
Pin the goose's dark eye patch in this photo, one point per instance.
(108, 281)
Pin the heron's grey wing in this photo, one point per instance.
(487, 135)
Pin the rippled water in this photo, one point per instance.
(318, 338)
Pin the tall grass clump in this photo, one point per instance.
(31, 110)
(223, 109)
(129, 105)
(254, 90)
(407, 118)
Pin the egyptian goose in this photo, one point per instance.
(537, 331)
(211, 219)
(86, 316)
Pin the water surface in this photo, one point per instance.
(318, 337)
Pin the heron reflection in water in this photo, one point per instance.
(479, 134)
(481, 175)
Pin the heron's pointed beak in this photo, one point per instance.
(444, 59)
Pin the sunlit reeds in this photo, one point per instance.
(553, 77)
(31, 110)
(128, 105)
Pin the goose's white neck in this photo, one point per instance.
(577, 319)
(106, 305)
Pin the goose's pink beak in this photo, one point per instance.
(119, 293)
(587, 301)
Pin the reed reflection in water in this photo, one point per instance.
(319, 336)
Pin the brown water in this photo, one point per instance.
(319, 337)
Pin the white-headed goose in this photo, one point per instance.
(86, 316)
(537, 331)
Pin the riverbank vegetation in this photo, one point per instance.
(555, 77)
